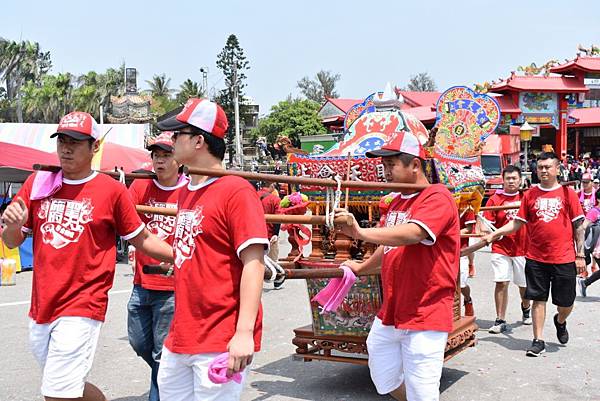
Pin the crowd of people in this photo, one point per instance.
(198, 325)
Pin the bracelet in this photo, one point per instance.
(580, 256)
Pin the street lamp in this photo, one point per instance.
(526, 132)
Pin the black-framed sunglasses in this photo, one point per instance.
(177, 133)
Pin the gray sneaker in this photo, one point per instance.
(582, 286)
(498, 327)
(526, 316)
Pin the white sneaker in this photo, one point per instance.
(498, 327)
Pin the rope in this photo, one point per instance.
(277, 272)
(332, 202)
(121, 175)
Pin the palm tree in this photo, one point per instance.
(189, 89)
(159, 86)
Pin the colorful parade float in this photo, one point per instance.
(464, 120)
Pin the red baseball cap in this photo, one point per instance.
(164, 141)
(400, 142)
(78, 125)
(200, 113)
(586, 177)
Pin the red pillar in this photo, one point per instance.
(561, 143)
(576, 144)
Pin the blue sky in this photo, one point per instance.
(367, 42)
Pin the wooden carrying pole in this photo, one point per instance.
(318, 182)
(289, 273)
(269, 218)
(114, 174)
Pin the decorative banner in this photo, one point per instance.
(538, 103)
(358, 110)
(464, 119)
(372, 129)
(463, 175)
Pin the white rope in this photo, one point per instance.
(121, 175)
(275, 270)
(332, 202)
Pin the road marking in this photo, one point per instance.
(27, 302)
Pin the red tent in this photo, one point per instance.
(16, 162)
(123, 156)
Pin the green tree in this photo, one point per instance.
(49, 100)
(21, 62)
(321, 87)
(233, 64)
(292, 118)
(187, 90)
(159, 86)
(421, 82)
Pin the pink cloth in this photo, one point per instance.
(217, 370)
(332, 296)
(45, 184)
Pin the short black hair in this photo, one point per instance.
(511, 169)
(216, 145)
(547, 156)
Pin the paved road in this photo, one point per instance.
(495, 370)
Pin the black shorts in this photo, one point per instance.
(563, 278)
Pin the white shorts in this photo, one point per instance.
(65, 350)
(464, 271)
(508, 268)
(184, 377)
(399, 356)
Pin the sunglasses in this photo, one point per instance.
(177, 133)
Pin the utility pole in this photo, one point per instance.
(239, 153)
(204, 71)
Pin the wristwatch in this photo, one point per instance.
(169, 272)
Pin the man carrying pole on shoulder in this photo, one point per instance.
(219, 244)
(554, 219)
(418, 253)
(74, 216)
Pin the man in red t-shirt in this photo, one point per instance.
(152, 303)
(508, 253)
(554, 221)
(219, 243)
(74, 216)
(419, 256)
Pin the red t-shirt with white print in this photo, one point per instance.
(510, 245)
(74, 245)
(216, 221)
(419, 280)
(151, 193)
(549, 214)
(587, 200)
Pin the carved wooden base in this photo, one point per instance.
(311, 346)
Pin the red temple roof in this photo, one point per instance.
(344, 104)
(587, 117)
(536, 83)
(425, 114)
(416, 99)
(507, 105)
(581, 63)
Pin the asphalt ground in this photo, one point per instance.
(495, 369)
